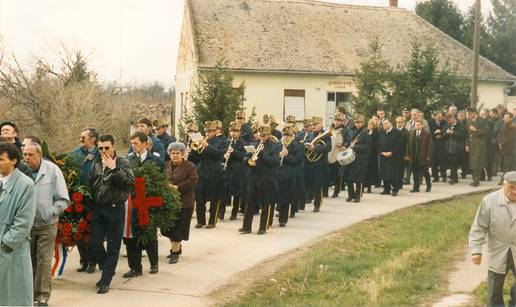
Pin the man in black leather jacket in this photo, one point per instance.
(111, 179)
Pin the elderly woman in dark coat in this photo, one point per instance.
(354, 173)
(372, 175)
(183, 177)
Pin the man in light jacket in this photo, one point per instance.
(495, 219)
(51, 200)
(17, 209)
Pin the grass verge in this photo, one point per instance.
(402, 258)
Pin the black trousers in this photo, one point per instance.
(391, 185)
(495, 282)
(318, 195)
(134, 253)
(236, 205)
(107, 222)
(438, 168)
(453, 165)
(284, 211)
(200, 212)
(419, 170)
(85, 253)
(355, 190)
(266, 216)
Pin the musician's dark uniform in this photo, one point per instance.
(318, 171)
(303, 191)
(210, 186)
(355, 172)
(234, 176)
(287, 174)
(246, 133)
(453, 145)
(390, 167)
(262, 187)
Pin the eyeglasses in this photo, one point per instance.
(104, 148)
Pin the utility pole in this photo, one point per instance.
(476, 55)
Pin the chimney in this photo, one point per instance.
(393, 3)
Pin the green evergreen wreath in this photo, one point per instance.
(164, 217)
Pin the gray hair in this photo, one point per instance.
(414, 110)
(176, 146)
(39, 150)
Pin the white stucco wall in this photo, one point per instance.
(265, 91)
(186, 69)
(491, 94)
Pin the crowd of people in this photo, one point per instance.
(258, 169)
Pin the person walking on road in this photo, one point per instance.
(495, 220)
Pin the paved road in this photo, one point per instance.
(212, 257)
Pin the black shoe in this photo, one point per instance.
(103, 289)
(154, 270)
(428, 188)
(292, 215)
(244, 231)
(132, 273)
(316, 209)
(82, 268)
(198, 226)
(474, 184)
(174, 258)
(435, 180)
(349, 199)
(356, 200)
(335, 195)
(394, 193)
(90, 269)
(414, 191)
(210, 226)
(385, 192)
(261, 232)
(41, 303)
(282, 224)
(232, 217)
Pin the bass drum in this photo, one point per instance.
(346, 156)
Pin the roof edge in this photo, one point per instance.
(307, 72)
(333, 4)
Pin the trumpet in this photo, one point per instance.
(229, 154)
(254, 158)
(197, 146)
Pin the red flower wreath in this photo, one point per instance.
(69, 209)
(82, 226)
(77, 236)
(79, 207)
(77, 197)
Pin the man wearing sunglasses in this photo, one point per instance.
(110, 181)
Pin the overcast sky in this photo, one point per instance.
(130, 41)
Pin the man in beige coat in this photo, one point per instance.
(495, 220)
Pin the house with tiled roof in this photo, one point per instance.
(299, 56)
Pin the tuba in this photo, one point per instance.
(311, 156)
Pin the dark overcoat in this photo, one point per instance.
(390, 167)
